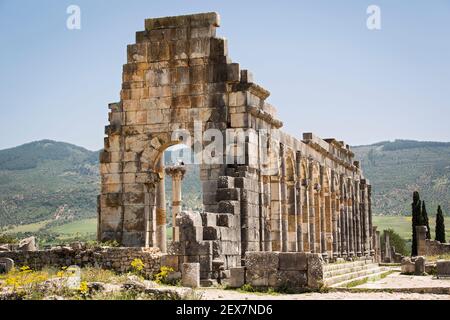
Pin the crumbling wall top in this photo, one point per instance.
(191, 20)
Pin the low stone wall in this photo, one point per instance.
(426, 247)
(293, 270)
(117, 259)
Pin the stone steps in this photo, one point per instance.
(345, 265)
(348, 272)
(368, 277)
(338, 272)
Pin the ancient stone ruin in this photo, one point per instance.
(306, 196)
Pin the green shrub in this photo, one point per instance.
(397, 242)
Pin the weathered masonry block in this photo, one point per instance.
(307, 196)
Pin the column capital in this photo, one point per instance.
(176, 171)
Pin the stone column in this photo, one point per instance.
(306, 212)
(334, 221)
(267, 227)
(149, 208)
(369, 211)
(364, 208)
(161, 221)
(312, 211)
(177, 173)
(299, 206)
(357, 220)
(284, 211)
(275, 213)
(323, 223)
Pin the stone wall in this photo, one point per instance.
(427, 247)
(292, 270)
(117, 259)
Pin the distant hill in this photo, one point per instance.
(55, 181)
(396, 169)
(59, 182)
(47, 180)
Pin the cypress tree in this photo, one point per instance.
(440, 226)
(416, 221)
(425, 219)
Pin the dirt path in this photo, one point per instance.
(217, 294)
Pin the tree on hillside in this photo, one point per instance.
(440, 226)
(425, 219)
(417, 220)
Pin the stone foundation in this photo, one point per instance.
(279, 270)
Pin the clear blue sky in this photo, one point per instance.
(326, 71)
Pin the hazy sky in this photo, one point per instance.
(326, 71)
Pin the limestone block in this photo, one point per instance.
(219, 47)
(262, 260)
(161, 91)
(171, 261)
(228, 194)
(28, 244)
(419, 266)
(209, 219)
(290, 261)
(158, 51)
(133, 239)
(137, 52)
(288, 279)
(225, 182)
(6, 265)
(199, 248)
(233, 72)
(443, 268)
(315, 270)
(226, 220)
(237, 277)
(407, 267)
(210, 233)
(157, 77)
(190, 275)
(257, 277)
(229, 206)
(240, 120)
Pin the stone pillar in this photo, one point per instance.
(351, 238)
(364, 208)
(369, 210)
(344, 228)
(306, 213)
(299, 206)
(161, 220)
(357, 220)
(421, 240)
(177, 173)
(284, 210)
(275, 213)
(323, 223)
(338, 227)
(190, 275)
(334, 216)
(267, 227)
(312, 211)
(149, 208)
